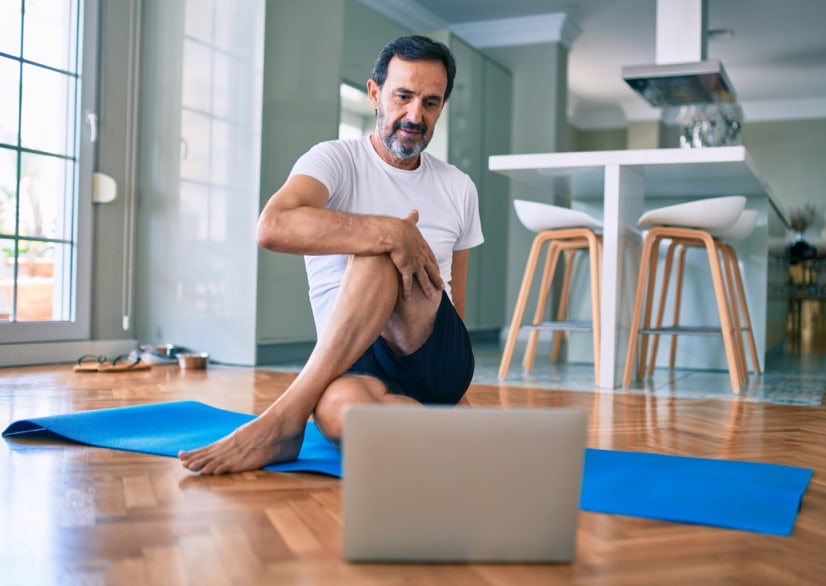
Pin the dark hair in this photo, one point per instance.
(415, 48)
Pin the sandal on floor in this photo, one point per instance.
(123, 363)
(89, 363)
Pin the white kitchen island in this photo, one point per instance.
(617, 187)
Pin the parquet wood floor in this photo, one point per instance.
(77, 515)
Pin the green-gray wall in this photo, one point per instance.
(301, 101)
(539, 75)
(113, 150)
(791, 156)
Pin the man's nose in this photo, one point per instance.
(414, 112)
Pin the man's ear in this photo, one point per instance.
(373, 90)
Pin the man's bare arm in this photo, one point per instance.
(295, 221)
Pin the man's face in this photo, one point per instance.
(407, 108)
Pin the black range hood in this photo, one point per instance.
(681, 73)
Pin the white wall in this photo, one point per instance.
(199, 175)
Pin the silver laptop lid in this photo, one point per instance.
(461, 484)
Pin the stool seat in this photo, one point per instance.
(742, 227)
(712, 214)
(565, 231)
(539, 217)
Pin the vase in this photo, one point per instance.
(800, 250)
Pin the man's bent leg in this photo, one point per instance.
(367, 298)
(348, 391)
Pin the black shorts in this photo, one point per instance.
(437, 373)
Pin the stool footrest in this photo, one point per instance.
(684, 330)
(553, 326)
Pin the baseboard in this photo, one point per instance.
(283, 353)
(36, 353)
(486, 336)
(298, 352)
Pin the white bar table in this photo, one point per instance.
(622, 184)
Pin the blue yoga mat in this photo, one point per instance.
(751, 496)
(164, 429)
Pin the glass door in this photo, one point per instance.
(45, 170)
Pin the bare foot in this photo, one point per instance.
(254, 445)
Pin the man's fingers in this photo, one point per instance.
(418, 262)
(407, 286)
(430, 283)
(433, 273)
(425, 284)
(436, 278)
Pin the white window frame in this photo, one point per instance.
(79, 325)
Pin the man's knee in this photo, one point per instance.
(329, 414)
(341, 394)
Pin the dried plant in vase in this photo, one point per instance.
(801, 218)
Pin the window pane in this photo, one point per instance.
(48, 110)
(62, 260)
(43, 290)
(6, 278)
(9, 99)
(39, 290)
(49, 36)
(46, 188)
(8, 197)
(10, 29)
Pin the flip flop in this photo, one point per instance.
(124, 362)
(89, 363)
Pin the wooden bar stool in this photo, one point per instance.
(741, 229)
(688, 224)
(565, 231)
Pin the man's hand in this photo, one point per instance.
(415, 259)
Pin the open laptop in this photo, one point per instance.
(467, 484)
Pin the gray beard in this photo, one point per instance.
(402, 152)
(395, 146)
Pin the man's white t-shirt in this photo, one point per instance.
(360, 182)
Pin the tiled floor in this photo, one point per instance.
(791, 378)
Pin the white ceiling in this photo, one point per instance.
(776, 59)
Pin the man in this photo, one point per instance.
(386, 232)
